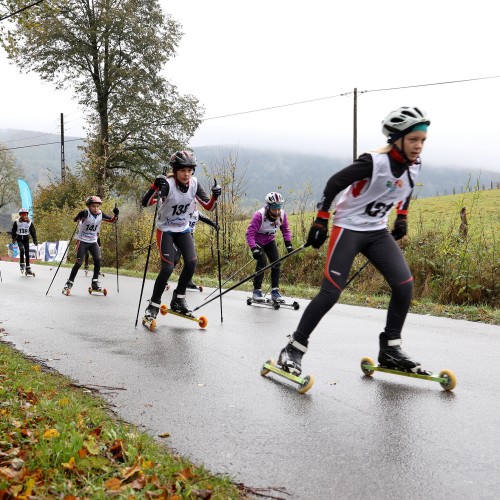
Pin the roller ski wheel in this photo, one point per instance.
(66, 291)
(446, 378)
(304, 383)
(98, 291)
(202, 320)
(29, 273)
(149, 323)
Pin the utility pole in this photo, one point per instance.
(63, 164)
(355, 126)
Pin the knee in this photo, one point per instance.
(404, 289)
(167, 267)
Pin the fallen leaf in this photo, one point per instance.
(164, 435)
(113, 484)
(70, 465)
(50, 434)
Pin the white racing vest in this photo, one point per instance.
(195, 217)
(89, 228)
(365, 205)
(23, 228)
(268, 226)
(175, 211)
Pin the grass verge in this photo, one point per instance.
(58, 440)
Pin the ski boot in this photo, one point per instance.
(392, 356)
(289, 365)
(257, 296)
(96, 287)
(67, 287)
(276, 296)
(23, 267)
(149, 319)
(193, 286)
(29, 272)
(290, 358)
(179, 305)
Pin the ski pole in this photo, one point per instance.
(149, 251)
(356, 273)
(62, 259)
(248, 278)
(218, 254)
(230, 278)
(116, 246)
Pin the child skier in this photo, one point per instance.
(176, 195)
(86, 239)
(21, 231)
(375, 183)
(195, 217)
(260, 238)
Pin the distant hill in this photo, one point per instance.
(41, 163)
(266, 170)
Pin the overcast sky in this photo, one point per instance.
(242, 56)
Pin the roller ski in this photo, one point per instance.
(193, 286)
(392, 359)
(179, 307)
(149, 318)
(22, 268)
(96, 287)
(289, 366)
(275, 301)
(29, 272)
(67, 287)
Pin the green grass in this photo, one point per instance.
(58, 440)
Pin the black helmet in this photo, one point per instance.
(93, 199)
(182, 159)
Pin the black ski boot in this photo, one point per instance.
(392, 356)
(179, 304)
(151, 311)
(290, 358)
(96, 285)
(67, 287)
(23, 267)
(192, 286)
(29, 272)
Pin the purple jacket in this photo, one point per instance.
(261, 230)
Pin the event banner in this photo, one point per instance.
(47, 251)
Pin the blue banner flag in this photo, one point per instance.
(26, 200)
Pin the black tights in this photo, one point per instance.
(384, 253)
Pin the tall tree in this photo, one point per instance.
(111, 52)
(9, 173)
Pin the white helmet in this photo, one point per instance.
(274, 200)
(400, 120)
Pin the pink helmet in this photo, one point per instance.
(93, 199)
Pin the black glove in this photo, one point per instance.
(256, 253)
(400, 227)
(318, 233)
(215, 225)
(288, 246)
(216, 190)
(160, 181)
(35, 243)
(116, 211)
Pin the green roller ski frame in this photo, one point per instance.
(446, 378)
(304, 383)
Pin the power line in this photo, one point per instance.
(347, 93)
(45, 144)
(6, 16)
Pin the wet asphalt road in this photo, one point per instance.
(350, 436)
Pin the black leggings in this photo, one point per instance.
(82, 248)
(23, 243)
(167, 244)
(384, 253)
(271, 250)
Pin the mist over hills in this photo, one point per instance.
(265, 170)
